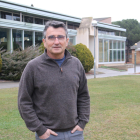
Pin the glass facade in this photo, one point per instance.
(3, 38)
(6, 15)
(38, 21)
(16, 17)
(111, 51)
(73, 26)
(28, 39)
(28, 19)
(38, 38)
(100, 51)
(106, 32)
(105, 50)
(17, 39)
(71, 40)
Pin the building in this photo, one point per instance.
(136, 49)
(22, 26)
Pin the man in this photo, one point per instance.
(53, 97)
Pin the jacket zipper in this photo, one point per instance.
(61, 65)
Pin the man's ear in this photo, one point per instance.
(67, 42)
(44, 42)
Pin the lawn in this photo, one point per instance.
(115, 111)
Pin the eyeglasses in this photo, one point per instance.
(59, 37)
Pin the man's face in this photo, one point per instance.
(55, 46)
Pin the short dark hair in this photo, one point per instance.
(54, 24)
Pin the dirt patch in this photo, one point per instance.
(92, 72)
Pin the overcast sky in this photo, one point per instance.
(116, 9)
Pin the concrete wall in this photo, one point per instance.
(83, 36)
(86, 37)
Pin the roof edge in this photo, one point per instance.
(38, 9)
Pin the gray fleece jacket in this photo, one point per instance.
(53, 97)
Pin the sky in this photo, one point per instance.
(116, 9)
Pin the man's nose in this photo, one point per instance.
(56, 41)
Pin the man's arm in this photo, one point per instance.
(25, 102)
(83, 101)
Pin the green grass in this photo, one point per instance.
(115, 111)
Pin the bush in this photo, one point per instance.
(42, 48)
(72, 50)
(85, 56)
(14, 63)
(0, 63)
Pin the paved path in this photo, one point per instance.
(110, 73)
(107, 73)
(8, 84)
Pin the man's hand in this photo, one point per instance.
(76, 128)
(47, 134)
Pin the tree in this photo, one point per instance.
(132, 33)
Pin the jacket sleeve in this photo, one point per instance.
(25, 102)
(83, 101)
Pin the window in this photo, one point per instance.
(16, 17)
(112, 50)
(17, 39)
(71, 40)
(3, 38)
(100, 50)
(73, 26)
(70, 26)
(28, 19)
(6, 15)
(101, 31)
(38, 38)
(38, 21)
(114, 44)
(28, 39)
(106, 51)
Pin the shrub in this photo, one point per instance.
(72, 50)
(85, 56)
(3, 46)
(42, 48)
(14, 63)
(0, 63)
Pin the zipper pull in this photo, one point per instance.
(61, 70)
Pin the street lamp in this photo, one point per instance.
(135, 59)
(94, 23)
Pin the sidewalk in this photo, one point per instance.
(111, 73)
(105, 73)
(8, 84)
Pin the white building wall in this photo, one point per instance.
(83, 36)
(86, 37)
